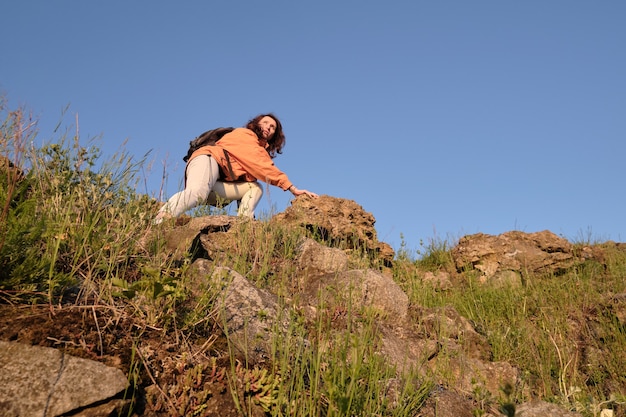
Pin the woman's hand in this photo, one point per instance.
(296, 192)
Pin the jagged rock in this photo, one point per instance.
(43, 381)
(501, 259)
(336, 220)
(186, 235)
(539, 408)
(248, 315)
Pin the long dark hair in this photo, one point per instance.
(277, 141)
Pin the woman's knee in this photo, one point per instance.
(256, 190)
(250, 199)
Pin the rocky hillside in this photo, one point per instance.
(310, 309)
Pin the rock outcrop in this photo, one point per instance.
(324, 280)
(507, 257)
(409, 337)
(336, 220)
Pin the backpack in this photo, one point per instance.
(208, 138)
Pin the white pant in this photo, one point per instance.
(203, 187)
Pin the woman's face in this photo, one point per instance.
(268, 127)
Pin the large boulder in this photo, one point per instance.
(510, 255)
(358, 288)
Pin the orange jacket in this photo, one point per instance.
(248, 158)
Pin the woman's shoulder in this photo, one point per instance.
(239, 135)
(243, 131)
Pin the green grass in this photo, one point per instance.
(72, 231)
(560, 331)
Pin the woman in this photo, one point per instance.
(230, 170)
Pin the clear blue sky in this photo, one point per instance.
(441, 118)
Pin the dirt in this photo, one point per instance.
(163, 362)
